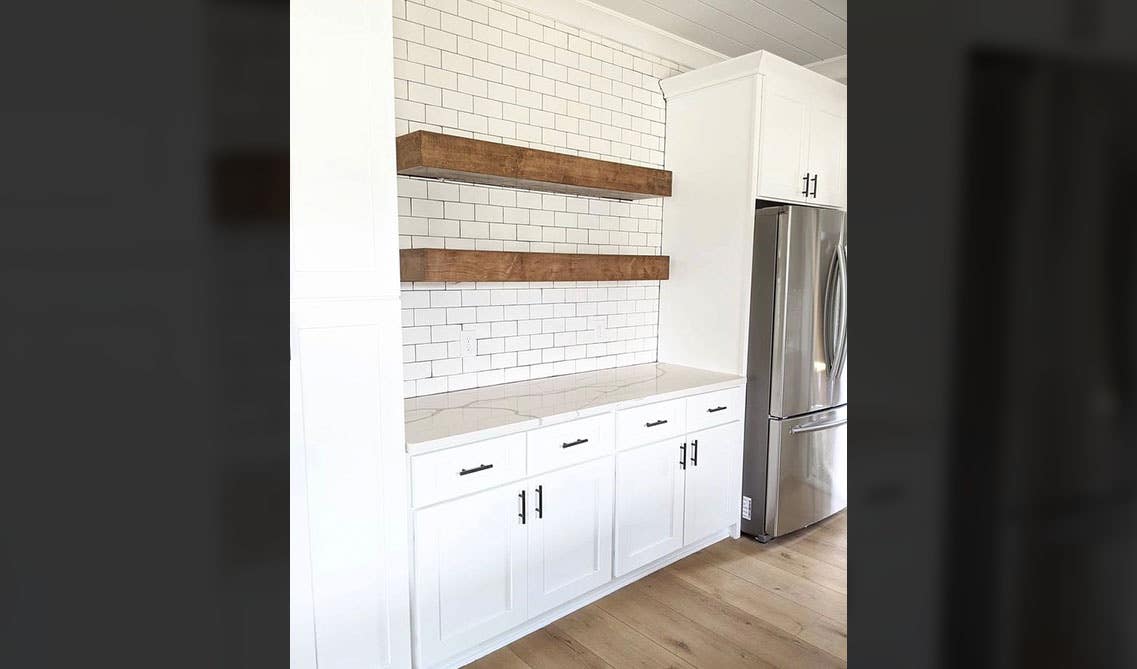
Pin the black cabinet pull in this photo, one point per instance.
(540, 508)
(814, 185)
(578, 442)
(683, 455)
(805, 192)
(475, 470)
(522, 514)
(695, 453)
(658, 422)
(715, 409)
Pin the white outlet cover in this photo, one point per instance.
(468, 343)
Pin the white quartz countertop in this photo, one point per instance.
(449, 419)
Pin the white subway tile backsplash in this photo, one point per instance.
(473, 10)
(472, 122)
(486, 69)
(457, 315)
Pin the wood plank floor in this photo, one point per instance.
(737, 603)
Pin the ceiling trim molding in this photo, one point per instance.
(600, 20)
(834, 68)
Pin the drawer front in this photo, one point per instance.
(710, 409)
(466, 469)
(568, 443)
(650, 422)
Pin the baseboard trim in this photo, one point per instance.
(530, 626)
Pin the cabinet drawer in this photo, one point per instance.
(651, 422)
(569, 443)
(466, 469)
(708, 409)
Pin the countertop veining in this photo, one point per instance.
(449, 419)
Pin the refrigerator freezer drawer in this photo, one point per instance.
(808, 461)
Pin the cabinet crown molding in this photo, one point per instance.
(747, 65)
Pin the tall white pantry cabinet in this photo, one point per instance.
(756, 127)
(349, 567)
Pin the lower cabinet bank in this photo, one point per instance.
(513, 532)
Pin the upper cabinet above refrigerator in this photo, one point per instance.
(801, 139)
(795, 121)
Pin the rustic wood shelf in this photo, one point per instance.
(457, 265)
(432, 154)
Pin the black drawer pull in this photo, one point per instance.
(683, 456)
(658, 422)
(578, 442)
(715, 409)
(479, 468)
(695, 454)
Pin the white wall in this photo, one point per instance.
(489, 70)
(349, 552)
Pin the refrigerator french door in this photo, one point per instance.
(794, 468)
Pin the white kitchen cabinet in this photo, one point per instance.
(801, 141)
(470, 571)
(513, 530)
(783, 144)
(649, 503)
(756, 127)
(801, 138)
(826, 162)
(711, 498)
(349, 556)
(569, 533)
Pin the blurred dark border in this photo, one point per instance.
(992, 462)
(143, 287)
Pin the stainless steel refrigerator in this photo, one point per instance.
(794, 467)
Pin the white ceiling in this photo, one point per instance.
(803, 31)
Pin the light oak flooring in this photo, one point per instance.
(737, 603)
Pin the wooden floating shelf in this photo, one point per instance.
(458, 266)
(432, 154)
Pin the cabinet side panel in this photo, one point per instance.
(355, 547)
(761, 314)
(707, 227)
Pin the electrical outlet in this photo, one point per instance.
(468, 343)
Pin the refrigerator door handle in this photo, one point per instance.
(843, 269)
(831, 334)
(818, 426)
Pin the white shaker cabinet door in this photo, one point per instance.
(570, 533)
(649, 503)
(712, 497)
(470, 560)
(783, 143)
(827, 156)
